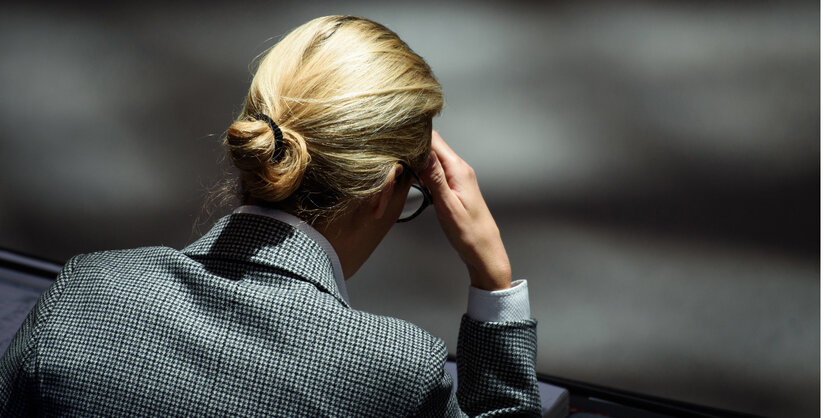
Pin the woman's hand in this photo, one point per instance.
(464, 217)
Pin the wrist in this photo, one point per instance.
(490, 278)
(488, 264)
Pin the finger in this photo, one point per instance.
(434, 178)
(445, 153)
(456, 169)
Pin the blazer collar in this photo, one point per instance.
(266, 241)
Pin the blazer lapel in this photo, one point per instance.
(268, 242)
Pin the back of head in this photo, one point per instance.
(351, 100)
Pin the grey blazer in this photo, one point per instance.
(246, 321)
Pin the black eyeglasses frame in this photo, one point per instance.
(427, 198)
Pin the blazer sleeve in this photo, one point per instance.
(18, 366)
(496, 373)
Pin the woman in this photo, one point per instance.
(253, 318)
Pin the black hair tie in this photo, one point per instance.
(279, 137)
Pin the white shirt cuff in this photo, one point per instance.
(504, 305)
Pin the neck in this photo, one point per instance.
(354, 236)
(343, 242)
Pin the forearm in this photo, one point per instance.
(497, 339)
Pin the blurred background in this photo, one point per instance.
(654, 168)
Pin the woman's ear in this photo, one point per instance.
(380, 203)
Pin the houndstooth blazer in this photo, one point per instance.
(246, 321)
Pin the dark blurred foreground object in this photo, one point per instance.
(23, 278)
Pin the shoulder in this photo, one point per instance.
(390, 326)
(118, 263)
(82, 267)
(127, 258)
(87, 276)
(399, 342)
(392, 354)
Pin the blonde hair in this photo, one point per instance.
(351, 99)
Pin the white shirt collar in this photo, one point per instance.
(308, 230)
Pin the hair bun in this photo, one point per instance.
(271, 168)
